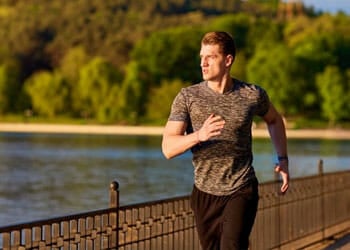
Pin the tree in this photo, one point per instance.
(72, 62)
(61, 37)
(275, 69)
(165, 55)
(317, 43)
(93, 94)
(238, 25)
(9, 87)
(49, 93)
(133, 95)
(320, 42)
(25, 34)
(169, 54)
(158, 111)
(332, 85)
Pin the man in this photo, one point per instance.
(214, 119)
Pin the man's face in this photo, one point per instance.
(213, 62)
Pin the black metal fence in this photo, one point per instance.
(314, 209)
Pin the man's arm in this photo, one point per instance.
(176, 142)
(277, 132)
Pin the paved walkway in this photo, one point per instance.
(340, 244)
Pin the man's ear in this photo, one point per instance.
(229, 60)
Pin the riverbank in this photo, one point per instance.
(149, 130)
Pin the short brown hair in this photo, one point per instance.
(223, 39)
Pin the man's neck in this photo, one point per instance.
(222, 86)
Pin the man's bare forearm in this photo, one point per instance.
(278, 136)
(174, 145)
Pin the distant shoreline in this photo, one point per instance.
(149, 130)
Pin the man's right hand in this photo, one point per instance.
(211, 127)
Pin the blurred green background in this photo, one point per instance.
(123, 62)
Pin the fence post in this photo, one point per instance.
(114, 194)
(278, 209)
(323, 209)
(114, 217)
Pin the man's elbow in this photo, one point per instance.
(167, 155)
(166, 152)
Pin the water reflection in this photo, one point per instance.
(44, 175)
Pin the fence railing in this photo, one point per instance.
(314, 209)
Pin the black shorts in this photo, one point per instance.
(225, 222)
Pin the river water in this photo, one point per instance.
(49, 175)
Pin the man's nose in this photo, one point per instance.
(204, 62)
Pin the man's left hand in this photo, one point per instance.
(282, 169)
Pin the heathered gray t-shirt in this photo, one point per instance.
(223, 164)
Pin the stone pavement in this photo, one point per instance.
(340, 242)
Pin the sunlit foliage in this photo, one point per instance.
(107, 60)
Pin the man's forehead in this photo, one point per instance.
(210, 49)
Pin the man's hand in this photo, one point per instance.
(282, 169)
(211, 127)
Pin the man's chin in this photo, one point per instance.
(205, 78)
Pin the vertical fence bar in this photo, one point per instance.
(48, 236)
(73, 233)
(28, 237)
(114, 217)
(278, 212)
(82, 236)
(322, 207)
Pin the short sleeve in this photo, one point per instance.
(179, 110)
(263, 102)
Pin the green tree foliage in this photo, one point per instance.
(40, 32)
(93, 93)
(317, 43)
(263, 30)
(27, 33)
(112, 56)
(165, 55)
(238, 69)
(49, 93)
(334, 89)
(72, 62)
(169, 54)
(158, 107)
(10, 87)
(133, 95)
(320, 42)
(248, 33)
(237, 25)
(274, 68)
